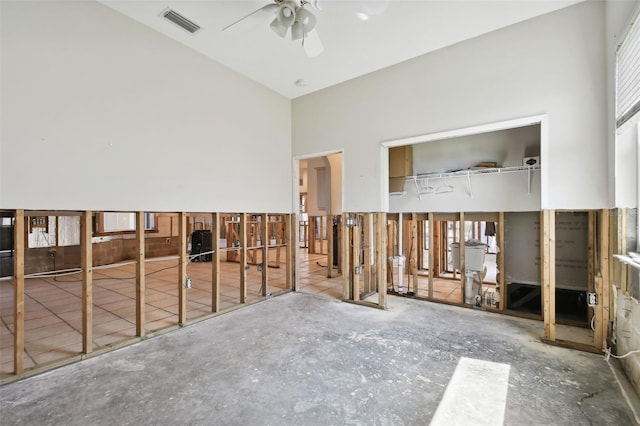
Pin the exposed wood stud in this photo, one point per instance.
(215, 262)
(368, 244)
(18, 312)
(413, 262)
(312, 234)
(86, 260)
(591, 257)
(321, 233)
(243, 258)
(330, 243)
(501, 281)
(291, 239)
(603, 299)
(264, 239)
(547, 247)
(140, 275)
(432, 261)
(380, 222)
(346, 254)
(355, 261)
(182, 273)
(461, 253)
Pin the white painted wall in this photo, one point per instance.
(102, 113)
(314, 187)
(553, 64)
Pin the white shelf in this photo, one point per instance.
(423, 187)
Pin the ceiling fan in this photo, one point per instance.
(290, 14)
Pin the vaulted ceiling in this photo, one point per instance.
(358, 36)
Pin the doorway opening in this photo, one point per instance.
(319, 231)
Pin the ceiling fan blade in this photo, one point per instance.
(312, 44)
(254, 17)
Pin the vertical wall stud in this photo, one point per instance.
(140, 275)
(291, 238)
(182, 273)
(346, 254)
(431, 254)
(215, 262)
(355, 261)
(461, 253)
(312, 234)
(243, 258)
(547, 246)
(413, 262)
(368, 243)
(501, 282)
(591, 257)
(381, 257)
(86, 260)
(330, 243)
(264, 239)
(18, 311)
(604, 271)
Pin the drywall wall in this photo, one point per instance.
(505, 148)
(522, 249)
(553, 65)
(102, 113)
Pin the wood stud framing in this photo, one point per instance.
(605, 234)
(291, 238)
(182, 269)
(18, 313)
(547, 273)
(461, 253)
(501, 282)
(86, 260)
(330, 244)
(140, 275)
(215, 262)
(264, 239)
(243, 258)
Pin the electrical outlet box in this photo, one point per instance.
(358, 270)
(188, 283)
(592, 300)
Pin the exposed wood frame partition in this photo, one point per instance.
(501, 281)
(215, 262)
(243, 258)
(330, 243)
(380, 225)
(432, 258)
(264, 240)
(346, 263)
(86, 261)
(18, 309)
(182, 269)
(463, 276)
(140, 275)
(368, 244)
(547, 273)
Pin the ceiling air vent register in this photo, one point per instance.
(181, 21)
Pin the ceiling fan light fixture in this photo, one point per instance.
(279, 28)
(305, 22)
(287, 13)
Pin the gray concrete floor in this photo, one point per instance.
(301, 359)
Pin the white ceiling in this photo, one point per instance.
(352, 47)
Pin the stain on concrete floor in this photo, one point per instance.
(300, 359)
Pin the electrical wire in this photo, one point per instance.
(608, 354)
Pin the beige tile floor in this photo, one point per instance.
(53, 313)
(53, 310)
